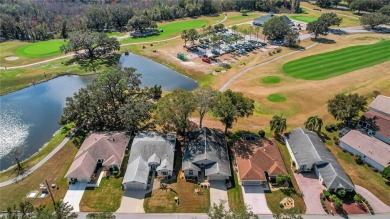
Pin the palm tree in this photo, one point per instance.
(235, 28)
(184, 36)
(244, 32)
(278, 124)
(209, 29)
(250, 31)
(257, 29)
(314, 123)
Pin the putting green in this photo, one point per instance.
(338, 62)
(40, 49)
(276, 98)
(303, 18)
(271, 80)
(169, 30)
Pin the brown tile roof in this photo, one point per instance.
(381, 104)
(381, 122)
(109, 146)
(369, 146)
(255, 157)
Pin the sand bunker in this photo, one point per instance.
(11, 58)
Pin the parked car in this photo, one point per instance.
(207, 60)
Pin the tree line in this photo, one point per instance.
(46, 19)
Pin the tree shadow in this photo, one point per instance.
(323, 40)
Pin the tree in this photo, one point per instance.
(97, 18)
(317, 28)
(204, 97)
(230, 106)
(174, 109)
(16, 155)
(120, 15)
(336, 2)
(275, 28)
(156, 92)
(314, 123)
(91, 49)
(184, 36)
(385, 10)
(330, 19)
(386, 173)
(324, 3)
(282, 179)
(113, 101)
(219, 211)
(359, 5)
(346, 107)
(278, 124)
(192, 35)
(374, 19)
(140, 23)
(291, 38)
(101, 215)
(63, 211)
(349, 2)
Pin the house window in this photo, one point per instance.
(164, 173)
(190, 172)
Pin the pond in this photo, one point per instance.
(30, 116)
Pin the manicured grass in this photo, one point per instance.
(338, 62)
(276, 98)
(241, 17)
(275, 197)
(30, 162)
(53, 171)
(40, 49)
(169, 30)
(236, 200)
(306, 19)
(271, 80)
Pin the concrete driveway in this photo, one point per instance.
(74, 194)
(376, 204)
(254, 197)
(311, 188)
(132, 202)
(218, 192)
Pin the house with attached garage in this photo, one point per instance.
(309, 154)
(99, 150)
(258, 160)
(206, 155)
(151, 153)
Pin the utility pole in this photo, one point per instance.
(51, 194)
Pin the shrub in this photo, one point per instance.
(358, 198)
(326, 193)
(281, 205)
(219, 69)
(336, 140)
(332, 198)
(270, 53)
(358, 159)
(341, 193)
(334, 127)
(278, 50)
(261, 133)
(226, 65)
(328, 128)
(338, 204)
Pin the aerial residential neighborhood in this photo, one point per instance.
(195, 109)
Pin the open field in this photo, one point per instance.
(30, 162)
(54, 171)
(331, 64)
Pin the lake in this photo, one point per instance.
(30, 116)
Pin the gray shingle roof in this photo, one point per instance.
(150, 147)
(206, 146)
(263, 19)
(308, 149)
(137, 171)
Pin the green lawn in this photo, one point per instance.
(236, 200)
(275, 197)
(40, 49)
(271, 80)
(276, 98)
(338, 62)
(169, 30)
(306, 19)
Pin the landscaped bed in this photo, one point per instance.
(331, 64)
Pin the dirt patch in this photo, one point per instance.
(11, 58)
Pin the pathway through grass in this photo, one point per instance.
(331, 64)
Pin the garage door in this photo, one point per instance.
(216, 178)
(135, 186)
(249, 183)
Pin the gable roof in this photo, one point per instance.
(380, 122)
(381, 104)
(109, 146)
(206, 145)
(263, 19)
(308, 149)
(150, 147)
(369, 146)
(255, 157)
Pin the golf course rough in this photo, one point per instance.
(276, 98)
(271, 80)
(305, 19)
(40, 49)
(338, 62)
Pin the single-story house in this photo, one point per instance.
(371, 150)
(309, 154)
(258, 161)
(105, 149)
(375, 124)
(260, 21)
(206, 155)
(151, 152)
(381, 104)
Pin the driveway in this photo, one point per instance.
(218, 192)
(132, 202)
(254, 197)
(74, 194)
(376, 204)
(311, 188)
